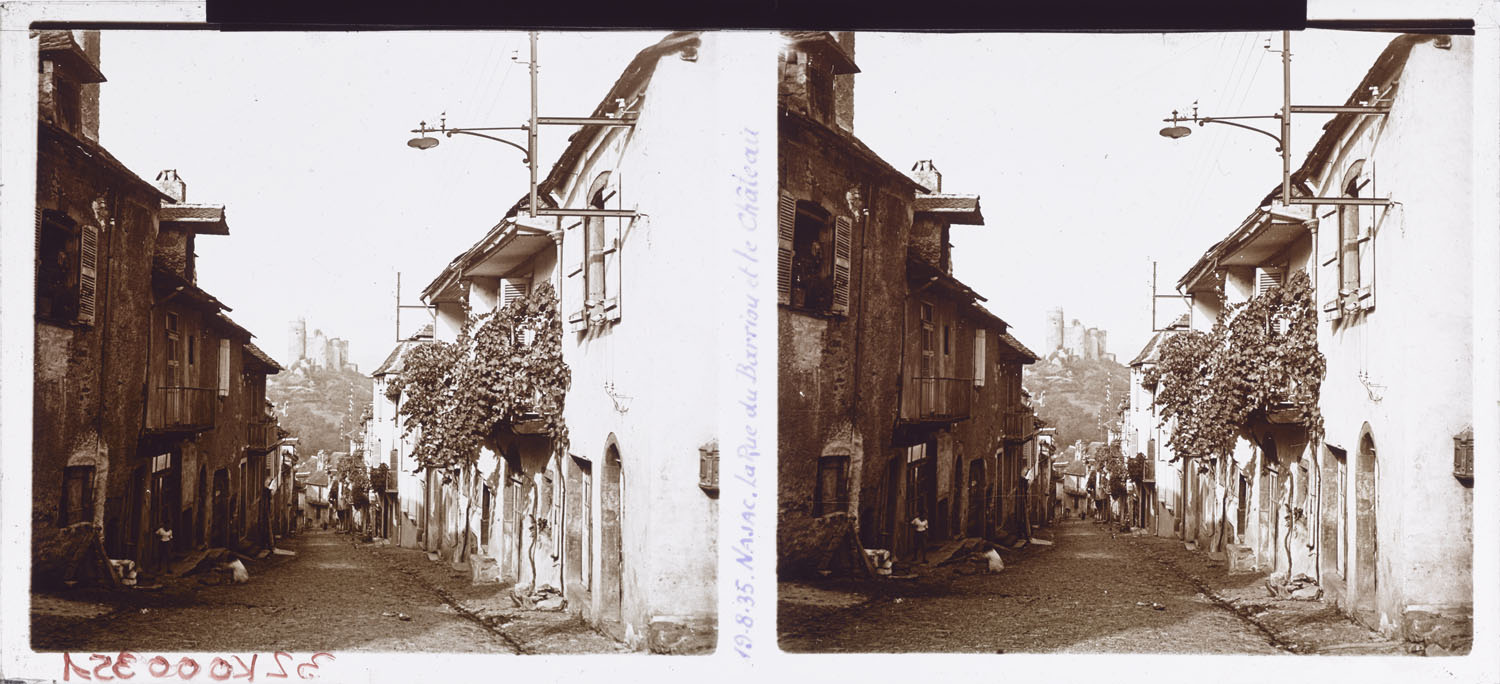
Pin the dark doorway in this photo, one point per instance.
(976, 498)
(611, 558)
(1366, 544)
(220, 525)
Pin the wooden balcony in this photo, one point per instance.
(263, 434)
(181, 409)
(942, 399)
(1014, 424)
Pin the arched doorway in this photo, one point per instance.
(611, 553)
(1366, 545)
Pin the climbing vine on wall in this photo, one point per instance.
(1261, 356)
(505, 367)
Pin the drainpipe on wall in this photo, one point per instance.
(859, 327)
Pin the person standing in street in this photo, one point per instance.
(919, 530)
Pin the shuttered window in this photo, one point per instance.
(576, 288)
(512, 289)
(1267, 277)
(592, 257)
(979, 367)
(67, 269)
(814, 258)
(223, 367)
(842, 250)
(786, 224)
(88, 273)
(1352, 253)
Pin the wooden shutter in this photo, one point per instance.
(513, 288)
(1367, 264)
(612, 254)
(1268, 276)
(842, 250)
(36, 252)
(574, 292)
(1327, 247)
(223, 367)
(88, 273)
(979, 367)
(786, 231)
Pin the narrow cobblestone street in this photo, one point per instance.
(1088, 593)
(335, 595)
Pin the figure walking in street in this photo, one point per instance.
(919, 530)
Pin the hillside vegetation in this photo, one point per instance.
(319, 406)
(1072, 393)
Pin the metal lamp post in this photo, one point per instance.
(1283, 141)
(424, 142)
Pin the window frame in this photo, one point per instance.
(802, 226)
(65, 503)
(837, 463)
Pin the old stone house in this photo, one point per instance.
(899, 394)
(141, 382)
(1380, 510)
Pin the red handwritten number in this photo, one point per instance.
(313, 663)
(123, 661)
(249, 671)
(159, 667)
(214, 671)
(69, 667)
(104, 663)
(185, 662)
(280, 664)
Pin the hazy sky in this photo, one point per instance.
(1058, 135)
(302, 137)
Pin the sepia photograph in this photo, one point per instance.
(1064, 368)
(413, 399)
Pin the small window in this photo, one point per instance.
(67, 260)
(815, 258)
(708, 467)
(68, 99)
(812, 261)
(831, 494)
(77, 503)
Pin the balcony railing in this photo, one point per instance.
(1013, 424)
(181, 408)
(943, 398)
(263, 434)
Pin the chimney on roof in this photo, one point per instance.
(927, 175)
(89, 92)
(170, 183)
(843, 86)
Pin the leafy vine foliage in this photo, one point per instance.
(505, 368)
(1261, 356)
(354, 478)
